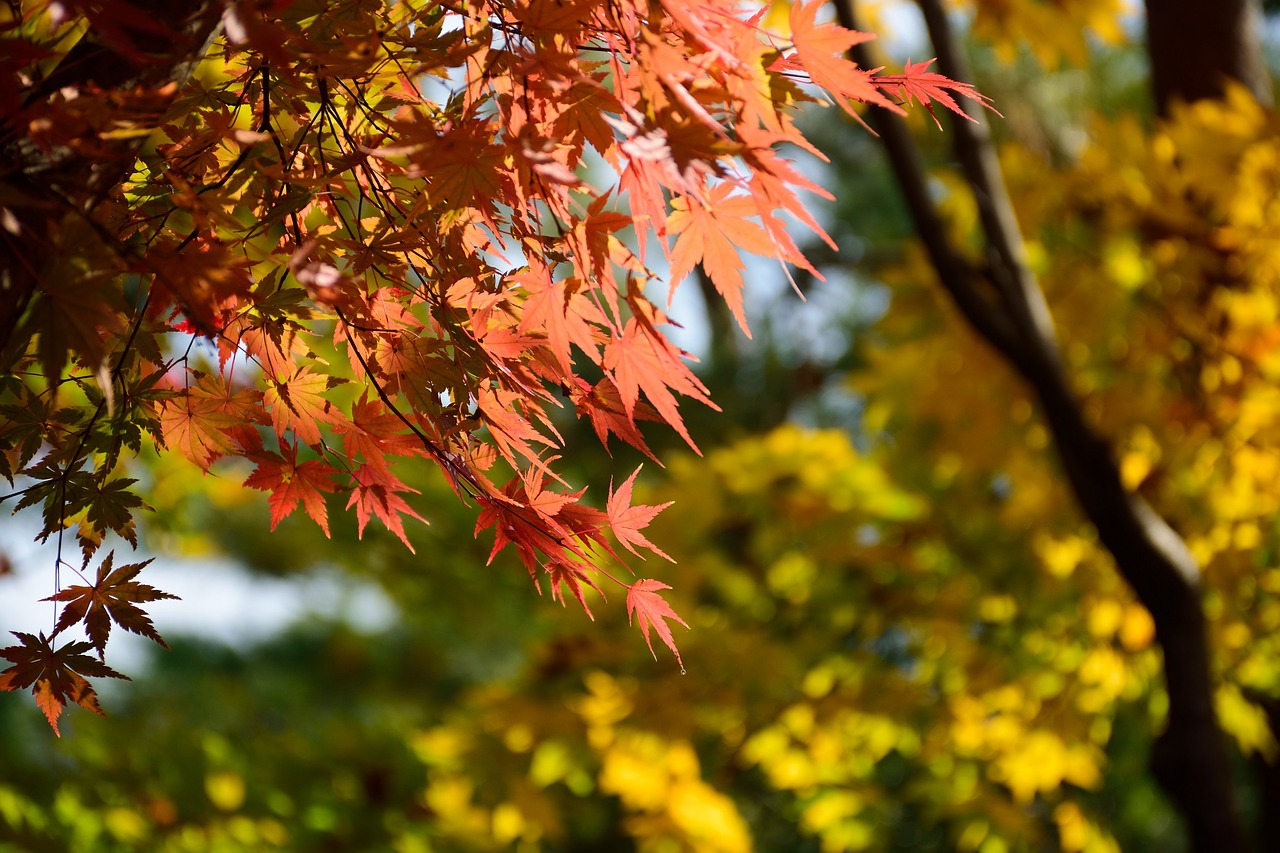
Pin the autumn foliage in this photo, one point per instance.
(298, 242)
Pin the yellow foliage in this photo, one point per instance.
(655, 777)
(225, 789)
(1053, 32)
(708, 819)
(1040, 763)
(1078, 834)
(1246, 722)
(1137, 630)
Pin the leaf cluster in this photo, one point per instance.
(320, 238)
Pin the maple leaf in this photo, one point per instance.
(199, 279)
(592, 238)
(532, 527)
(206, 421)
(55, 674)
(915, 83)
(566, 317)
(109, 509)
(709, 233)
(510, 429)
(545, 502)
(646, 361)
(375, 493)
(565, 573)
(603, 405)
(374, 432)
(291, 484)
(113, 597)
(70, 316)
(821, 48)
(296, 404)
(648, 608)
(627, 521)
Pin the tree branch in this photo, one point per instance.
(31, 175)
(1190, 757)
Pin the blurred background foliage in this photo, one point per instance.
(903, 637)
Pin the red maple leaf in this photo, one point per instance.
(373, 432)
(534, 525)
(565, 573)
(290, 484)
(603, 405)
(918, 84)
(649, 608)
(55, 674)
(113, 597)
(375, 493)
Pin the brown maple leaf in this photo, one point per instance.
(114, 597)
(55, 674)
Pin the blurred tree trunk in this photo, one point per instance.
(1195, 46)
(1003, 302)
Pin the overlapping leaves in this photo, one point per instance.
(394, 198)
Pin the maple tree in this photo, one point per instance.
(320, 239)
(905, 635)
(914, 639)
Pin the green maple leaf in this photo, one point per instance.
(109, 509)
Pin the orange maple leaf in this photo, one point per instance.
(207, 421)
(375, 493)
(563, 315)
(645, 361)
(711, 232)
(820, 51)
(649, 609)
(627, 521)
(297, 405)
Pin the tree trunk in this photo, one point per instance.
(1005, 305)
(1196, 46)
